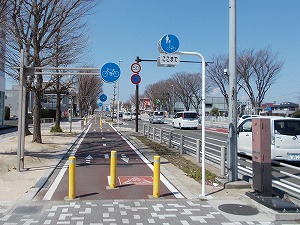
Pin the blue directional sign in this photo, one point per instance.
(100, 104)
(110, 72)
(103, 98)
(169, 43)
(269, 109)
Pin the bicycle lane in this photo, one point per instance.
(134, 171)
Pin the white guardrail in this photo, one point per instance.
(216, 156)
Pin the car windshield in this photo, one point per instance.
(158, 113)
(287, 127)
(190, 115)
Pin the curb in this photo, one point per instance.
(41, 182)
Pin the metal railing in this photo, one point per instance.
(216, 156)
(47, 120)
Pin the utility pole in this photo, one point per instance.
(232, 111)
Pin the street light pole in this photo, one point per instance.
(173, 101)
(232, 111)
(118, 104)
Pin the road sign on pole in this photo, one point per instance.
(110, 72)
(103, 98)
(168, 44)
(135, 78)
(169, 59)
(135, 67)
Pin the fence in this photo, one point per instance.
(47, 120)
(216, 156)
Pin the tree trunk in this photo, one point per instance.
(58, 110)
(37, 134)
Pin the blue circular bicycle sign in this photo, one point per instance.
(169, 43)
(103, 98)
(110, 72)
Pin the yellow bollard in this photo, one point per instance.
(100, 123)
(72, 177)
(113, 166)
(156, 177)
(85, 120)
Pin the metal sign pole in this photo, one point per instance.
(136, 108)
(203, 117)
(21, 116)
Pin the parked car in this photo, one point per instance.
(127, 116)
(186, 119)
(285, 137)
(243, 117)
(133, 116)
(157, 117)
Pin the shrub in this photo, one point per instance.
(56, 129)
(296, 114)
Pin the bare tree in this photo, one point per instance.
(68, 45)
(127, 105)
(215, 73)
(188, 88)
(4, 8)
(258, 71)
(89, 89)
(33, 25)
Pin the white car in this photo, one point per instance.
(133, 116)
(285, 137)
(157, 117)
(185, 119)
(243, 117)
(127, 116)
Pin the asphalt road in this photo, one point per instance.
(134, 172)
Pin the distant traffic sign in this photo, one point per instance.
(135, 67)
(135, 78)
(168, 44)
(100, 104)
(103, 98)
(110, 72)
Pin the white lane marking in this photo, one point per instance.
(104, 144)
(125, 159)
(163, 179)
(61, 173)
(103, 138)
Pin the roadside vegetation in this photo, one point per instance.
(191, 169)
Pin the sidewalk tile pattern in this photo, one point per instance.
(113, 212)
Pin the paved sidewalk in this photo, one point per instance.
(213, 210)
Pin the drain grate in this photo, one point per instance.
(27, 210)
(238, 209)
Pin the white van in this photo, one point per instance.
(185, 119)
(285, 137)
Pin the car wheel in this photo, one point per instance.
(180, 126)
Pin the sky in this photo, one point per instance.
(121, 30)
